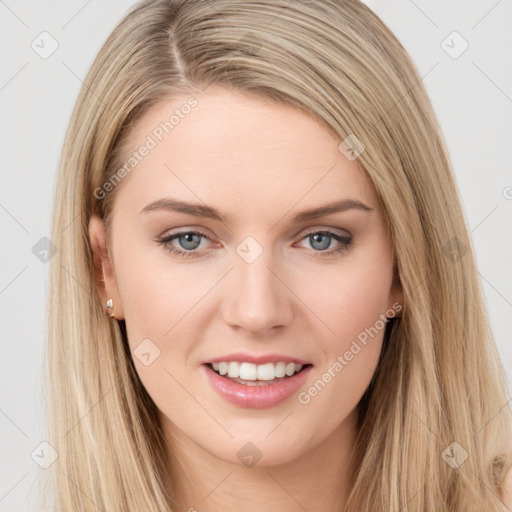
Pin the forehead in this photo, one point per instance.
(230, 148)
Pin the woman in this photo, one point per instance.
(264, 295)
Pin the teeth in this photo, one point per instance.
(234, 369)
(247, 371)
(281, 369)
(290, 369)
(253, 372)
(267, 371)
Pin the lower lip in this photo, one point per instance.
(256, 397)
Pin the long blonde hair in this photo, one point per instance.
(440, 380)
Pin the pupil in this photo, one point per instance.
(317, 236)
(189, 241)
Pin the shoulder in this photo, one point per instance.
(506, 489)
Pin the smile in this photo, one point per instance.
(244, 371)
(253, 385)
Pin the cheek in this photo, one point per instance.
(348, 300)
(159, 304)
(352, 300)
(157, 291)
(350, 357)
(163, 305)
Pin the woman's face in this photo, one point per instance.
(245, 275)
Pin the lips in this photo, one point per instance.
(256, 381)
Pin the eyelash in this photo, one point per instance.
(345, 242)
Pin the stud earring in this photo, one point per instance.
(110, 305)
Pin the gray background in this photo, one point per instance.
(472, 95)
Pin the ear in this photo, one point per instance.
(105, 278)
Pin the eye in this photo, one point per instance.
(190, 241)
(321, 240)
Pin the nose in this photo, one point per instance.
(259, 298)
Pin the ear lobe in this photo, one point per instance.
(104, 275)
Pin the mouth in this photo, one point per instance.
(251, 374)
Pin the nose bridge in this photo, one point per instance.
(260, 300)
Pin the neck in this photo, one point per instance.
(319, 479)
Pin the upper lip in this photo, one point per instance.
(257, 359)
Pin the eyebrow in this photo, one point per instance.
(200, 210)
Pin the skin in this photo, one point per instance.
(260, 163)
